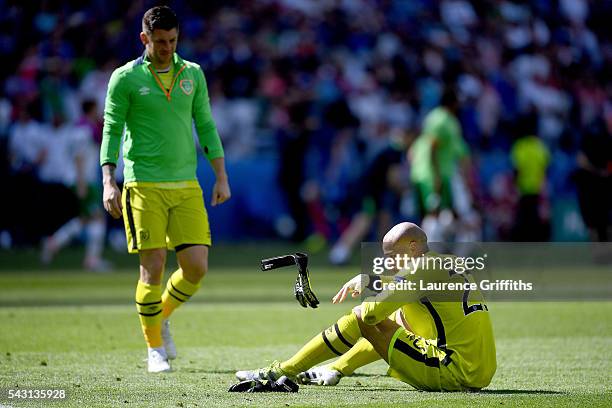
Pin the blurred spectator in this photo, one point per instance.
(530, 158)
(381, 189)
(27, 150)
(594, 181)
(439, 163)
(76, 146)
(276, 68)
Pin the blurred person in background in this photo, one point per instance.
(381, 191)
(27, 150)
(80, 154)
(439, 160)
(594, 181)
(530, 158)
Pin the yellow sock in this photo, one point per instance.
(361, 354)
(332, 342)
(178, 291)
(148, 304)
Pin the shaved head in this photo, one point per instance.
(405, 237)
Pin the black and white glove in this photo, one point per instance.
(302, 290)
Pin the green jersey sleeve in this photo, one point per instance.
(204, 123)
(115, 113)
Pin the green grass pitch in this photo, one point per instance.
(79, 331)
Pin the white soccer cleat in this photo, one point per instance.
(158, 361)
(272, 372)
(168, 340)
(320, 376)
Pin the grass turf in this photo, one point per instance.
(79, 332)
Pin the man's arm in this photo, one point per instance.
(204, 123)
(210, 140)
(115, 113)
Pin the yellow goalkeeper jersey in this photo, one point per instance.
(459, 320)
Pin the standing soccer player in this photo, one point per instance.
(157, 98)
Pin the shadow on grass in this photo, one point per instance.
(509, 392)
(205, 371)
(367, 375)
(483, 392)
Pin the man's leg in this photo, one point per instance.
(60, 238)
(96, 233)
(181, 286)
(149, 305)
(379, 335)
(148, 294)
(361, 354)
(332, 342)
(412, 359)
(184, 282)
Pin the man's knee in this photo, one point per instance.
(195, 271)
(194, 264)
(357, 313)
(152, 263)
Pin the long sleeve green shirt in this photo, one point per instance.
(158, 144)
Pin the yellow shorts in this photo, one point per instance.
(164, 215)
(420, 362)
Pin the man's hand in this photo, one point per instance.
(221, 191)
(355, 286)
(111, 198)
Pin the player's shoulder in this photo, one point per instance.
(191, 67)
(126, 70)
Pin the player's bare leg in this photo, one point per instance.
(194, 262)
(379, 335)
(359, 227)
(193, 265)
(149, 305)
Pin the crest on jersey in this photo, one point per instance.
(144, 235)
(187, 86)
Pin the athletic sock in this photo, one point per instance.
(361, 354)
(66, 232)
(332, 342)
(178, 291)
(149, 306)
(96, 230)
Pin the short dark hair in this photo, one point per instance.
(160, 17)
(449, 97)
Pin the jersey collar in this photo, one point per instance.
(144, 59)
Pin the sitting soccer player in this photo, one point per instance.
(439, 344)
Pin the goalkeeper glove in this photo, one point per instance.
(302, 290)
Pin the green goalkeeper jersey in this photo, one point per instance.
(158, 143)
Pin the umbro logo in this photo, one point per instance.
(144, 90)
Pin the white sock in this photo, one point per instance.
(96, 231)
(67, 232)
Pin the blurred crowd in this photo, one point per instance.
(321, 88)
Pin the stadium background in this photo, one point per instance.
(305, 93)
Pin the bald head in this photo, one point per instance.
(407, 238)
